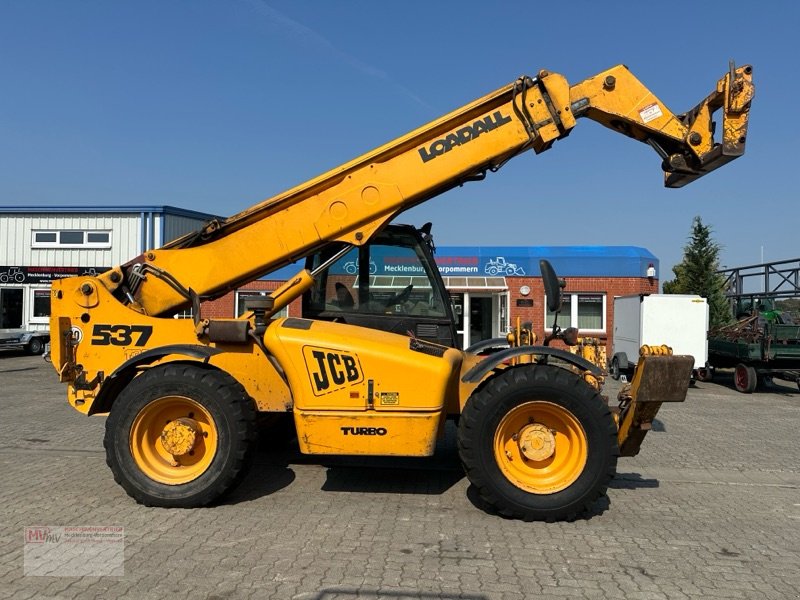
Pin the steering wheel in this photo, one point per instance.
(400, 296)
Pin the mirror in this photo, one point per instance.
(552, 287)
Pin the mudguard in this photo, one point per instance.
(123, 374)
(479, 371)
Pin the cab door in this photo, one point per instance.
(390, 284)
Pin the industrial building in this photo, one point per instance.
(43, 243)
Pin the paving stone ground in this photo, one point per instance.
(709, 509)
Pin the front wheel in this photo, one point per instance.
(538, 443)
(179, 436)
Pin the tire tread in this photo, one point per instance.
(237, 407)
(493, 392)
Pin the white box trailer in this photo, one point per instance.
(676, 320)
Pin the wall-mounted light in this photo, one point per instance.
(651, 272)
(524, 290)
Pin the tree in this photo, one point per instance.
(697, 273)
(791, 306)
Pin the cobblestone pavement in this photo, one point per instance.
(709, 509)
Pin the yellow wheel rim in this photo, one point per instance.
(173, 440)
(540, 447)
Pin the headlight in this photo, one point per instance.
(26, 337)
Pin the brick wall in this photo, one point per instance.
(225, 307)
(610, 286)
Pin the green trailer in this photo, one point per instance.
(759, 347)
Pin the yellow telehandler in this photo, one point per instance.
(183, 396)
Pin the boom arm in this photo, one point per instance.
(351, 202)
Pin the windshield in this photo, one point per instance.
(390, 275)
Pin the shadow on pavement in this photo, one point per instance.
(272, 471)
(342, 593)
(399, 480)
(632, 481)
(766, 384)
(601, 505)
(261, 480)
(18, 370)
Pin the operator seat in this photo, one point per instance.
(344, 298)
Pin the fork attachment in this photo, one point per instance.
(658, 378)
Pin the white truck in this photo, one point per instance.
(676, 320)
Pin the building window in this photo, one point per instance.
(45, 237)
(564, 317)
(41, 305)
(591, 308)
(72, 238)
(585, 311)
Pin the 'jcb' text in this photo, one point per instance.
(331, 370)
(463, 135)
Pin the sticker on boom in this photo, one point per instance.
(331, 370)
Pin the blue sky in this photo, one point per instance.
(214, 106)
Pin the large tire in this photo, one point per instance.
(745, 378)
(182, 402)
(538, 443)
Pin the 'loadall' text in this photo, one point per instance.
(463, 135)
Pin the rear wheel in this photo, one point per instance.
(179, 436)
(614, 370)
(705, 374)
(745, 378)
(35, 346)
(538, 443)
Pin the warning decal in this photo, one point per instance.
(650, 112)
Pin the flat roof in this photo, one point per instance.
(511, 261)
(162, 209)
(569, 261)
